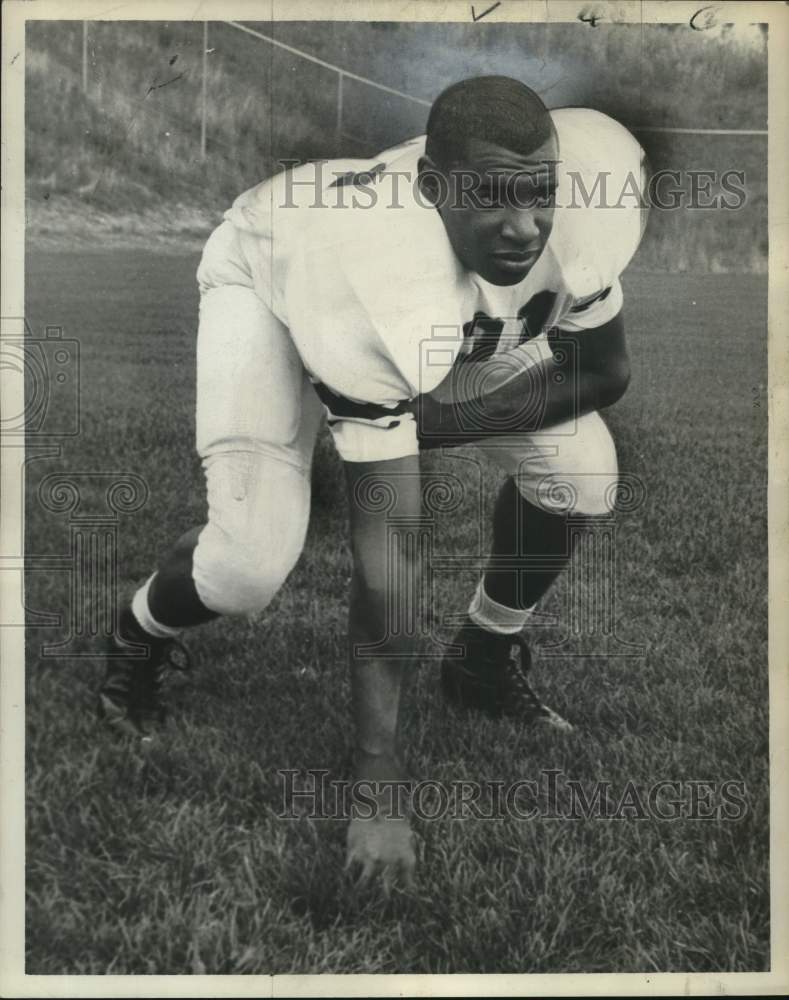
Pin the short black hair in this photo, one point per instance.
(494, 108)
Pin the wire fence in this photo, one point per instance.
(126, 115)
(342, 75)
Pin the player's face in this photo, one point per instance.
(500, 208)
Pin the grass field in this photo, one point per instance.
(175, 861)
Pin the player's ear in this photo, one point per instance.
(430, 179)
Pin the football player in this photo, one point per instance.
(499, 237)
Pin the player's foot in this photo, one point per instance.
(131, 699)
(491, 677)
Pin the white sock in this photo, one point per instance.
(145, 619)
(495, 617)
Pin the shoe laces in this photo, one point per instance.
(515, 670)
(177, 657)
(149, 677)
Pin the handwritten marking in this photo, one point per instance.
(590, 16)
(484, 12)
(158, 86)
(707, 17)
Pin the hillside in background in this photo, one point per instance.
(124, 154)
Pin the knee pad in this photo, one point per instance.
(235, 578)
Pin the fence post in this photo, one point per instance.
(338, 140)
(204, 92)
(84, 57)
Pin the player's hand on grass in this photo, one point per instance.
(380, 841)
(382, 847)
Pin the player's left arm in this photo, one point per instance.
(587, 370)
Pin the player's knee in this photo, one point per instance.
(595, 493)
(239, 578)
(585, 481)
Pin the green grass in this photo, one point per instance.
(175, 861)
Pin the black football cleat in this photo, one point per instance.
(490, 677)
(131, 699)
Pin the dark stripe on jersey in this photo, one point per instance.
(364, 177)
(341, 406)
(591, 300)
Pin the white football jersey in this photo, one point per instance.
(358, 266)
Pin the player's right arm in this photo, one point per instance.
(593, 373)
(384, 499)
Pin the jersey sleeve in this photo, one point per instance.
(590, 311)
(601, 214)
